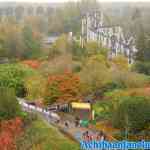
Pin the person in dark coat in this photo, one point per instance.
(66, 124)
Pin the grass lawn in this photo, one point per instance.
(42, 136)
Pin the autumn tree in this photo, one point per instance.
(35, 87)
(95, 74)
(62, 88)
(120, 62)
(19, 41)
(60, 47)
(11, 42)
(10, 130)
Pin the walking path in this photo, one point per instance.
(51, 117)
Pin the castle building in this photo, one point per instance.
(111, 37)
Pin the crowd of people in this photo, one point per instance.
(87, 135)
(98, 136)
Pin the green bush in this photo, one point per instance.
(77, 51)
(103, 109)
(9, 106)
(28, 118)
(95, 75)
(92, 48)
(128, 79)
(13, 75)
(142, 67)
(132, 113)
(111, 87)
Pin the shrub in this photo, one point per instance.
(127, 79)
(103, 109)
(99, 58)
(60, 47)
(13, 75)
(77, 51)
(142, 67)
(111, 87)
(9, 106)
(34, 64)
(132, 113)
(92, 48)
(28, 118)
(120, 62)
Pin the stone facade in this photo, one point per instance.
(112, 37)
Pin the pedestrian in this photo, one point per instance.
(77, 119)
(80, 123)
(66, 124)
(86, 136)
(104, 137)
(46, 109)
(100, 136)
(58, 107)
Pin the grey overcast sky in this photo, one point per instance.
(39, 1)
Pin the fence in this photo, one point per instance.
(49, 115)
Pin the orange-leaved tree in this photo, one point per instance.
(62, 88)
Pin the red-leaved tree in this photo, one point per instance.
(9, 131)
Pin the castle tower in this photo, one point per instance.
(91, 23)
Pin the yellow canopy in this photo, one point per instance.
(80, 105)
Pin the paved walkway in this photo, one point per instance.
(51, 117)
